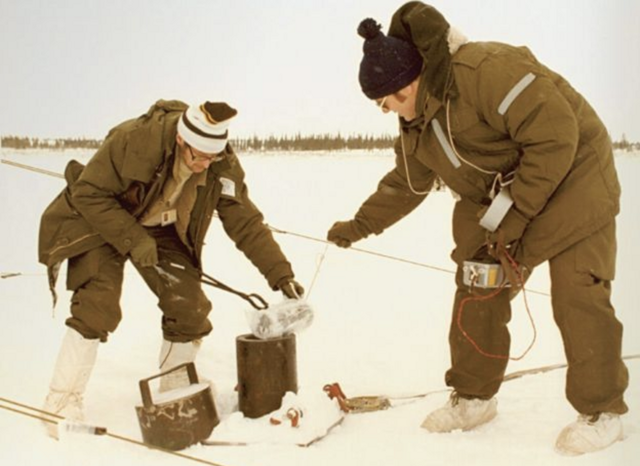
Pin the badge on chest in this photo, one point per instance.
(169, 217)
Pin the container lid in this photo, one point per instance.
(171, 396)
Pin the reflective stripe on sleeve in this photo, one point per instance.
(515, 92)
(444, 143)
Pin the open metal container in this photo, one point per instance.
(178, 418)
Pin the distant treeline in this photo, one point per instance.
(298, 142)
(283, 143)
(18, 142)
(626, 145)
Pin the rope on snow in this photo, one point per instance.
(51, 418)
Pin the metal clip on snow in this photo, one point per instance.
(291, 417)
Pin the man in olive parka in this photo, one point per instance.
(149, 195)
(532, 168)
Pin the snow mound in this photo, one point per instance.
(302, 419)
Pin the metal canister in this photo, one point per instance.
(267, 370)
(178, 418)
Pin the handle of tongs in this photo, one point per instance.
(253, 296)
(256, 301)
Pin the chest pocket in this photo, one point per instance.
(472, 133)
(463, 119)
(438, 152)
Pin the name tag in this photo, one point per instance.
(169, 217)
(228, 187)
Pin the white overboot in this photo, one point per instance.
(461, 414)
(73, 368)
(173, 354)
(589, 434)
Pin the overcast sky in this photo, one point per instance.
(78, 67)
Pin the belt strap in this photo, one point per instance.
(497, 211)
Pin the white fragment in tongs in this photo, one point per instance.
(289, 316)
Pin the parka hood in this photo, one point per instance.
(427, 29)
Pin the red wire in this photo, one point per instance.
(470, 339)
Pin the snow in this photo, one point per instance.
(380, 328)
(302, 418)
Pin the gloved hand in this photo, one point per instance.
(343, 234)
(502, 245)
(508, 233)
(290, 288)
(145, 252)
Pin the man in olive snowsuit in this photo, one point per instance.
(532, 168)
(149, 194)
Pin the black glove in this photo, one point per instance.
(502, 245)
(343, 234)
(290, 288)
(508, 233)
(145, 253)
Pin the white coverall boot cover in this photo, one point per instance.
(461, 414)
(589, 434)
(173, 354)
(73, 368)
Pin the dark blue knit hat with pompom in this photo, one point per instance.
(388, 64)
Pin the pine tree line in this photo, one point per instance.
(626, 145)
(19, 142)
(298, 142)
(325, 142)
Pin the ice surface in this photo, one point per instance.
(380, 328)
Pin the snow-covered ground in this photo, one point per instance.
(381, 328)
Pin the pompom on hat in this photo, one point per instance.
(205, 127)
(388, 65)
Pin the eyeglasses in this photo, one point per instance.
(206, 158)
(382, 104)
